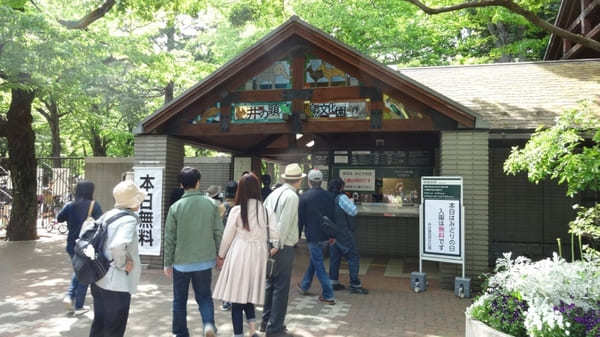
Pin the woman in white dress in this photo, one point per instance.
(243, 254)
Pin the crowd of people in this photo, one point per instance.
(248, 233)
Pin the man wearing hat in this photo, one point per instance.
(192, 236)
(284, 202)
(314, 204)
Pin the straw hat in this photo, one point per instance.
(128, 195)
(293, 172)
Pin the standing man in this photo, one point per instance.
(284, 202)
(192, 236)
(314, 204)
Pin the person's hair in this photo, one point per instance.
(266, 180)
(315, 183)
(248, 188)
(84, 190)
(189, 177)
(336, 186)
(230, 189)
(244, 173)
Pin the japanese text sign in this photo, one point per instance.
(149, 230)
(441, 217)
(358, 180)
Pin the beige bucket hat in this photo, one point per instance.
(128, 195)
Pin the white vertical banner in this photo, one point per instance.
(150, 179)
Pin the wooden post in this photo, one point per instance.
(297, 83)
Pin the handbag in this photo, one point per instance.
(329, 226)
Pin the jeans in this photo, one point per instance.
(317, 266)
(201, 284)
(277, 290)
(111, 310)
(238, 320)
(336, 252)
(77, 291)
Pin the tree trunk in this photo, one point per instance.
(98, 144)
(22, 166)
(169, 92)
(53, 119)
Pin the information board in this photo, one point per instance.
(441, 219)
(358, 180)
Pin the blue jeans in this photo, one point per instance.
(77, 291)
(351, 254)
(237, 309)
(317, 266)
(201, 284)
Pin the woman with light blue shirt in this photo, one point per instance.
(112, 293)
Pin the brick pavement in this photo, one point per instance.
(34, 277)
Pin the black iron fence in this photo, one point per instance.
(55, 180)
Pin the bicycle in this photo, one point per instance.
(49, 208)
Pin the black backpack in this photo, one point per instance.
(89, 262)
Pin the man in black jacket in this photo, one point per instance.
(314, 204)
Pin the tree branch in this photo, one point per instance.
(90, 17)
(43, 113)
(513, 7)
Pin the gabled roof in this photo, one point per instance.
(516, 95)
(295, 27)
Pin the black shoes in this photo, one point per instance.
(338, 286)
(358, 290)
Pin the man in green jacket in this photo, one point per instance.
(192, 238)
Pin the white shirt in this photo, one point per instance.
(287, 213)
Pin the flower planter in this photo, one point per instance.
(474, 328)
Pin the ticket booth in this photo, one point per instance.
(298, 95)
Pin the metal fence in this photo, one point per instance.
(55, 184)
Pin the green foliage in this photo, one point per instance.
(568, 153)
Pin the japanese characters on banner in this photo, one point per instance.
(150, 179)
(441, 217)
(358, 180)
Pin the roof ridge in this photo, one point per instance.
(497, 64)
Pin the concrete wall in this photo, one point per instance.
(155, 151)
(105, 173)
(466, 154)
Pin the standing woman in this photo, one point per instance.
(243, 254)
(75, 213)
(112, 293)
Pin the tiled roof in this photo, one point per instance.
(516, 95)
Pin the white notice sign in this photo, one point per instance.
(358, 180)
(442, 226)
(150, 179)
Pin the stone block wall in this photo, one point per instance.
(465, 153)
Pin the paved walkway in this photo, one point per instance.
(35, 275)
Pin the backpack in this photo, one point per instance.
(89, 262)
(228, 207)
